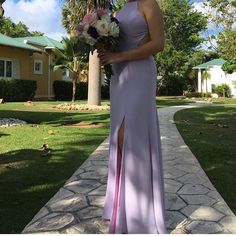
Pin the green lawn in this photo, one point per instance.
(210, 132)
(27, 179)
(165, 101)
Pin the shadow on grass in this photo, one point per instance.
(55, 118)
(3, 134)
(28, 180)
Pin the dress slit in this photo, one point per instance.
(120, 153)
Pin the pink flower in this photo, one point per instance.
(80, 27)
(101, 12)
(90, 18)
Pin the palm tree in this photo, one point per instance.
(73, 12)
(206, 76)
(1, 8)
(71, 57)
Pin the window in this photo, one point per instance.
(38, 67)
(5, 68)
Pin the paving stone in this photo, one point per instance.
(79, 171)
(193, 189)
(204, 227)
(89, 213)
(101, 191)
(223, 208)
(102, 169)
(192, 179)
(188, 210)
(73, 178)
(188, 168)
(61, 194)
(185, 158)
(96, 200)
(168, 157)
(99, 163)
(69, 204)
(103, 180)
(179, 231)
(229, 223)
(198, 199)
(92, 226)
(215, 195)
(98, 174)
(82, 186)
(172, 186)
(173, 219)
(52, 222)
(202, 213)
(173, 202)
(174, 173)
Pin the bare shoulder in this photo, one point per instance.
(150, 5)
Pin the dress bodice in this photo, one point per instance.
(132, 24)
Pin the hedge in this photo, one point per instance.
(16, 90)
(63, 90)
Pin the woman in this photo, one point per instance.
(134, 200)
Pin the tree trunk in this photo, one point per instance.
(74, 80)
(76, 71)
(94, 82)
(1, 11)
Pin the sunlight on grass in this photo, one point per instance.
(38, 188)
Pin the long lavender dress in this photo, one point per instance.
(134, 200)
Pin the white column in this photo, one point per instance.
(199, 81)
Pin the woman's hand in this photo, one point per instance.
(107, 57)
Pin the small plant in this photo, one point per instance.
(223, 90)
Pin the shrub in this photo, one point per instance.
(63, 90)
(16, 90)
(196, 94)
(192, 94)
(223, 90)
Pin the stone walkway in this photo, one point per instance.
(192, 203)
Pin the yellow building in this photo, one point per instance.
(30, 58)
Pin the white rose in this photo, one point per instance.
(106, 17)
(102, 27)
(114, 29)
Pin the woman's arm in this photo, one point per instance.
(154, 19)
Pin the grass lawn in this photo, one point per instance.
(165, 101)
(27, 179)
(210, 132)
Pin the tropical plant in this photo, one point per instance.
(206, 76)
(72, 57)
(223, 90)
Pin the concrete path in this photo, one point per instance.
(192, 203)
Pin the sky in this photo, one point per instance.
(45, 15)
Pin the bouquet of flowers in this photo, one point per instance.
(99, 29)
